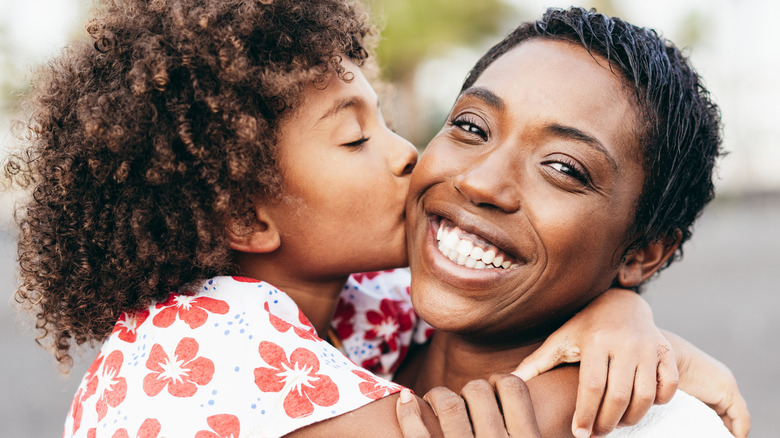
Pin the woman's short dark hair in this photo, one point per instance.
(148, 139)
(681, 136)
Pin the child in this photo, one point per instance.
(191, 143)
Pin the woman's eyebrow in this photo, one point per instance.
(572, 133)
(486, 96)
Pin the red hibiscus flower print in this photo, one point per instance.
(245, 279)
(189, 308)
(296, 379)
(392, 319)
(223, 426)
(343, 319)
(77, 410)
(105, 382)
(128, 324)
(373, 388)
(283, 326)
(182, 372)
(361, 277)
(150, 428)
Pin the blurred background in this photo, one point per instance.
(725, 294)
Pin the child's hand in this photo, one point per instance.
(713, 383)
(475, 412)
(626, 363)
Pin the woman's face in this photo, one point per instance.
(345, 181)
(519, 208)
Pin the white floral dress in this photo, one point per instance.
(237, 358)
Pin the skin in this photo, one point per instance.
(340, 163)
(548, 173)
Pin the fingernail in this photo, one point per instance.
(581, 433)
(406, 395)
(523, 374)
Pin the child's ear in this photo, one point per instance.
(640, 264)
(261, 236)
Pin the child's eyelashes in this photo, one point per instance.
(357, 143)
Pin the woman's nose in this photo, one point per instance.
(403, 157)
(491, 181)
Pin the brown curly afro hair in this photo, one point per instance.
(148, 139)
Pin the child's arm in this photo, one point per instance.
(616, 341)
(712, 382)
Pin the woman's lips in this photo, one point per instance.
(462, 275)
(470, 250)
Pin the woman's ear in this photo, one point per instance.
(259, 236)
(640, 264)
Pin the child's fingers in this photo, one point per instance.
(643, 395)
(451, 411)
(590, 391)
(549, 355)
(409, 416)
(486, 418)
(620, 384)
(668, 375)
(519, 415)
(737, 418)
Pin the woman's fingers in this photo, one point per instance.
(737, 417)
(486, 418)
(452, 413)
(519, 415)
(409, 416)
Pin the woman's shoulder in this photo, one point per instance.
(554, 395)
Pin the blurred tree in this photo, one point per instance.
(416, 30)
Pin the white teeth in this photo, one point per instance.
(465, 247)
(464, 253)
(451, 241)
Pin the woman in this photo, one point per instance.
(581, 148)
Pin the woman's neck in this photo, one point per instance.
(452, 361)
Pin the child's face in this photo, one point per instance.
(345, 181)
(539, 165)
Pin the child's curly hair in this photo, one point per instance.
(147, 141)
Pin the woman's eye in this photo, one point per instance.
(470, 126)
(571, 171)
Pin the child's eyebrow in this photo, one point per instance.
(343, 104)
(339, 106)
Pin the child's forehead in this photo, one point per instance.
(339, 93)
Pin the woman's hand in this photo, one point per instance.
(713, 383)
(476, 412)
(626, 363)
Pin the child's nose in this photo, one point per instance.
(404, 156)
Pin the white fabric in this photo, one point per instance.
(683, 417)
(233, 357)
